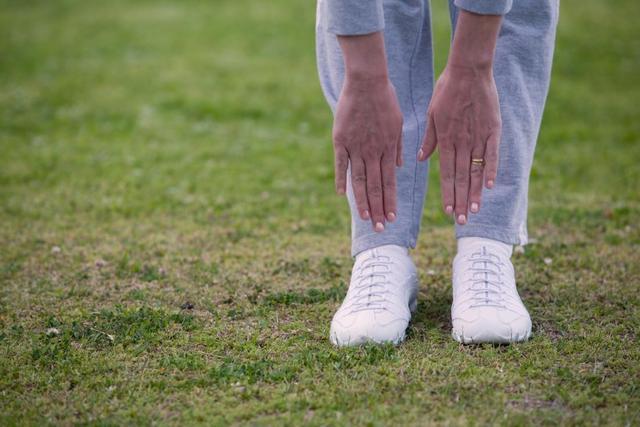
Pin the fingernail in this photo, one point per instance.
(449, 210)
(420, 154)
(391, 216)
(474, 207)
(379, 227)
(462, 219)
(490, 183)
(365, 214)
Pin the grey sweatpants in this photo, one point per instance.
(522, 69)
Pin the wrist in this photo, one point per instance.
(474, 41)
(468, 70)
(365, 79)
(476, 59)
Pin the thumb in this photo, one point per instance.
(429, 142)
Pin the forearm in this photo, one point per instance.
(475, 39)
(364, 58)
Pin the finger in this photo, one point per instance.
(476, 177)
(389, 187)
(491, 159)
(463, 160)
(374, 193)
(447, 176)
(341, 164)
(358, 181)
(475, 187)
(399, 150)
(430, 141)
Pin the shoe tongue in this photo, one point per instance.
(384, 250)
(389, 250)
(469, 244)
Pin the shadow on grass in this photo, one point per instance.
(434, 310)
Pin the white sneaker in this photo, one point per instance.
(380, 300)
(486, 305)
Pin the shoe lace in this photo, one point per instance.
(370, 284)
(485, 281)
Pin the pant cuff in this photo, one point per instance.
(510, 236)
(373, 240)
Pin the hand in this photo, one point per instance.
(464, 116)
(464, 123)
(367, 132)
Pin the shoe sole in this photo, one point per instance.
(348, 343)
(490, 339)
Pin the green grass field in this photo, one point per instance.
(171, 249)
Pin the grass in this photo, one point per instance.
(172, 251)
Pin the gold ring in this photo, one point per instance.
(479, 162)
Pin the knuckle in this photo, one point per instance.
(389, 186)
(361, 200)
(370, 156)
(390, 147)
(476, 171)
(461, 180)
(446, 147)
(358, 178)
(374, 190)
(447, 175)
(339, 139)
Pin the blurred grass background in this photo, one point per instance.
(155, 153)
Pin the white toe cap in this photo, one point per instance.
(488, 327)
(359, 333)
